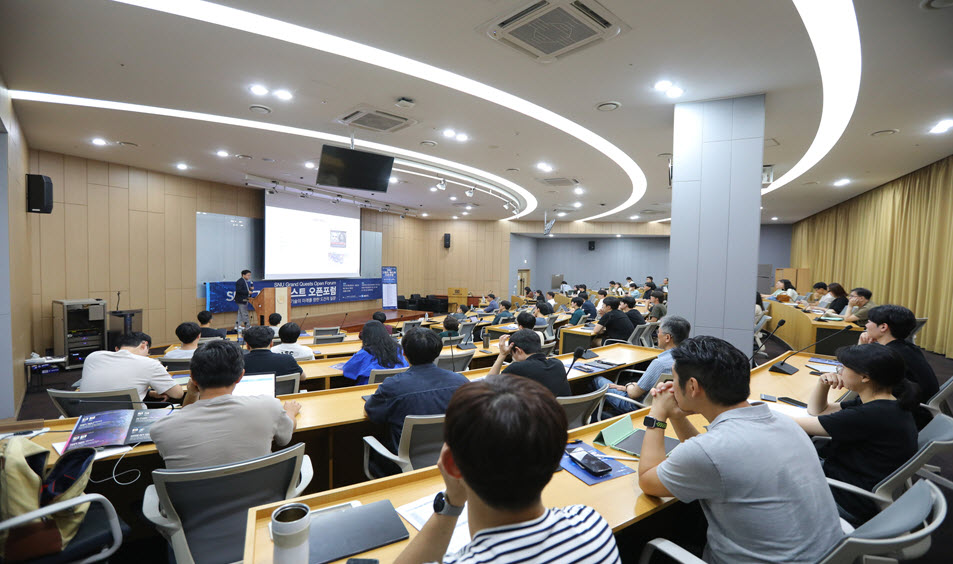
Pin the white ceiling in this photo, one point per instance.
(110, 51)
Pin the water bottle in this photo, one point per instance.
(486, 339)
(241, 340)
(290, 528)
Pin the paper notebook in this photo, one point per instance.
(621, 435)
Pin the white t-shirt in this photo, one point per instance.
(300, 352)
(105, 371)
(179, 353)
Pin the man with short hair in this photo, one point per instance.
(451, 328)
(205, 320)
(890, 325)
(493, 305)
(221, 428)
(289, 334)
(551, 299)
(649, 285)
(542, 311)
(672, 332)
(128, 367)
(613, 324)
(564, 287)
(664, 287)
(529, 362)
(423, 389)
(756, 474)
(274, 320)
(382, 317)
(603, 294)
(628, 307)
(503, 440)
(527, 320)
(260, 360)
(820, 297)
(503, 314)
(578, 313)
(657, 309)
(243, 289)
(588, 306)
(858, 306)
(188, 334)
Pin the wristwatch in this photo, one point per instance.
(651, 422)
(441, 506)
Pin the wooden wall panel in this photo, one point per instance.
(77, 254)
(97, 172)
(155, 188)
(119, 242)
(156, 260)
(52, 257)
(138, 190)
(51, 164)
(138, 260)
(98, 234)
(118, 175)
(74, 180)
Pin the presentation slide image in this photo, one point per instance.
(305, 244)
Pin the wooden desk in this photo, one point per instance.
(802, 329)
(580, 336)
(497, 331)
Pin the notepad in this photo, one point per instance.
(622, 435)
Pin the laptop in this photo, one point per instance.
(256, 385)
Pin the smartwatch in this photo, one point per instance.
(441, 506)
(651, 422)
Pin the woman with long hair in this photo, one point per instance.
(840, 298)
(379, 350)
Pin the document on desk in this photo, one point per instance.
(418, 512)
(822, 367)
(787, 409)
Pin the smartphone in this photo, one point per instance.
(766, 397)
(362, 561)
(792, 401)
(589, 462)
(815, 373)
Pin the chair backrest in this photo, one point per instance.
(452, 340)
(912, 337)
(380, 374)
(212, 504)
(455, 362)
(761, 322)
(175, 364)
(74, 404)
(940, 400)
(647, 398)
(421, 439)
(287, 384)
(933, 439)
(648, 331)
(580, 408)
(906, 523)
(550, 322)
(547, 348)
(325, 331)
(408, 325)
(415, 296)
(634, 338)
(466, 331)
(325, 339)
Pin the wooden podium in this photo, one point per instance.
(455, 297)
(272, 300)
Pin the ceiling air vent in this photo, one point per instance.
(550, 29)
(372, 119)
(559, 182)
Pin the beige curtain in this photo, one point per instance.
(896, 240)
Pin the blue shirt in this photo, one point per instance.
(492, 306)
(505, 314)
(360, 366)
(423, 389)
(662, 363)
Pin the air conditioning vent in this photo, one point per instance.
(372, 119)
(550, 29)
(561, 182)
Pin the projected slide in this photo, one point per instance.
(310, 238)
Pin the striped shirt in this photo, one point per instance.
(570, 534)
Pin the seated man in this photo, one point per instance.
(461, 313)
(613, 324)
(423, 389)
(382, 317)
(578, 313)
(820, 296)
(493, 305)
(628, 307)
(205, 320)
(260, 360)
(541, 312)
(503, 439)
(551, 299)
(188, 334)
(221, 428)
(649, 285)
(504, 313)
(527, 320)
(274, 320)
(603, 294)
(451, 328)
(128, 367)
(530, 363)
(755, 473)
(672, 332)
(634, 291)
(289, 334)
(664, 287)
(657, 309)
(858, 306)
(588, 306)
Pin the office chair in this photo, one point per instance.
(579, 409)
(648, 334)
(203, 512)
(632, 340)
(912, 337)
(549, 333)
(456, 362)
(325, 331)
(176, 364)
(408, 325)
(74, 404)
(757, 334)
(466, 334)
(326, 339)
(380, 374)
(449, 341)
(547, 348)
(287, 384)
(939, 403)
(421, 439)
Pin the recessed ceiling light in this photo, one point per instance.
(425, 214)
(283, 95)
(775, 218)
(455, 217)
(577, 204)
(394, 180)
(309, 164)
(182, 166)
(461, 137)
(258, 90)
(674, 92)
(99, 141)
(884, 132)
(579, 190)
(466, 213)
(259, 109)
(549, 234)
(453, 198)
(633, 217)
(842, 182)
(663, 85)
(544, 166)
(608, 106)
(942, 126)
(561, 214)
(428, 143)
(468, 208)
(433, 188)
(617, 235)
(448, 133)
(222, 153)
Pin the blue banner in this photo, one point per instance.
(389, 274)
(389, 281)
(220, 296)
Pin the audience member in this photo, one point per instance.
(503, 440)
(221, 428)
(840, 300)
(588, 306)
(451, 328)
(784, 286)
(551, 299)
(527, 320)
(378, 351)
(423, 389)
(578, 313)
(289, 334)
(128, 367)
(461, 313)
(871, 435)
(260, 359)
(504, 313)
(664, 287)
(634, 291)
(564, 287)
(628, 307)
(649, 285)
(657, 309)
(601, 303)
(188, 334)
(758, 306)
(890, 325)
(530, 362)
(274, 321)
(673, 331)
(205, 320)
(613, 324)
(858, 306)
(783, 511)
(542, 311)
(493, 305)
(382, 317)
(820, 296)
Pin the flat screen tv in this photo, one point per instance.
(358, 170)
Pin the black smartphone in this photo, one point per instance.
(766, 397)
(815, 373)
(590, 463)
(792, 401)
(362, 561)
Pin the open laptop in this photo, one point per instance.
(250, 384)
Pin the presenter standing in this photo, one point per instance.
(243, 289)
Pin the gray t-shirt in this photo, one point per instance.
(221, 430)
(761, 486)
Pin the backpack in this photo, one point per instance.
(25, 486)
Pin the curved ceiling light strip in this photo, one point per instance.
(521, 194)
(282, 31)
(832, 27)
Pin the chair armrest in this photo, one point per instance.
(153, 512)
(882, 501)
(937, 479)
(371, 442)
(627, 399)
(619, 374)
(304, 478)
(933, 411)
(669, 548)
(113, 519)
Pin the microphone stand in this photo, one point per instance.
(768, 338)
(576, 355)
(785, 368)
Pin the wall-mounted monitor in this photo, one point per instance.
(358, 170)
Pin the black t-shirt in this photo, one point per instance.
(617, 324)
(635, 317)
(263, 361)
(210, 332)
(838, 305)
(549, 372)
(868, 442)
(919, 370)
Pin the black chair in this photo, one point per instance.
(402, 302)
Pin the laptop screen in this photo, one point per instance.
(256, 385)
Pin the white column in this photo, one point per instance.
(716, 201)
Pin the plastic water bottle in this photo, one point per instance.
(241, 340)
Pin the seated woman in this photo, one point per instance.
(871, 435)
(839, 303)
(451, 328)
(378, 351)
(784, 286)
(758, 307)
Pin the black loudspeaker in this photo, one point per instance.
(446, 240)
(39, 193)
(592, 245)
